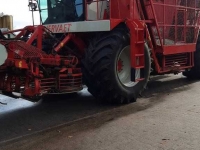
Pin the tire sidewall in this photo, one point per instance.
(131, 92)
(100, 68)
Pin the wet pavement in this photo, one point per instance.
(20, 117)
(81, 123)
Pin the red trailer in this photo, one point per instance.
(111, 46)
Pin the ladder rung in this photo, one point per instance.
(139, 67)
(140, 79)
(139, 29)
(139, 55)
(148, 21)
(140, 42)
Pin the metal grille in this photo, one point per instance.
(67, 82)
(23, 50)
(71, 80)
(70, 83)
(47, 84)
(176, 21)
(181, 59)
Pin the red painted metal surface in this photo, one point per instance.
(172, 27)
(26, 69)
(63, 42)
(169, 27)
(173, 30)
(176, 21)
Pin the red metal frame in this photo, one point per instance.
(156, 15)
(165, 25)
(27, 59)
(171, 19)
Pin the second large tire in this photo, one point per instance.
(100, 68)
(194, 73)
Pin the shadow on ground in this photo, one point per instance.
(62, 109)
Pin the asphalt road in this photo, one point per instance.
(67, 120)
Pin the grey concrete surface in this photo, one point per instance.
(20, 117)
(167, 117)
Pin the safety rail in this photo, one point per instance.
(176, 21)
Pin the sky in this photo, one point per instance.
(20, 12)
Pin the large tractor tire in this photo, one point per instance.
(194, 73)
(107, 69)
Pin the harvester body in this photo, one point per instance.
(52, 57)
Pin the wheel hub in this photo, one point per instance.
(124, 68)
(120, 65)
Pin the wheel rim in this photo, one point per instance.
(123, 68)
